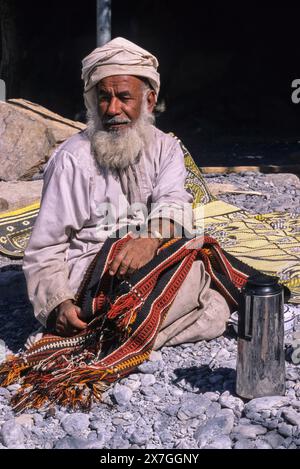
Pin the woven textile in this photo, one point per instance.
(194, 182)
(15, 229)
(125, 317)
(269, 243)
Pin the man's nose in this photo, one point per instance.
(114, 107)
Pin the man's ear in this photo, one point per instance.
(151, 100)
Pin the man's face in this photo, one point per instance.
(120, 100)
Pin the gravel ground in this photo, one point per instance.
(279, 192)
(183, 397)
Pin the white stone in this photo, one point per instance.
(75, 424)
(122, 394)
(222, 442)
(266, 403)
(249, 431)
(292, 417)
(26, 420)
(155, 356)
(134, 385)
(214, 428)
(147, 379)
(231, 402)
(212, 396)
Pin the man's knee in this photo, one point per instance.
(204, 323)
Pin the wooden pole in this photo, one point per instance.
(2, 90)
(103, 22)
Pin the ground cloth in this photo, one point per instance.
(270, 243)
(125, 317)
(15, 229)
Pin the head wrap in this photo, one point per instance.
(117, 57)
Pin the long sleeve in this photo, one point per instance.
(65, 207)
(169, 198)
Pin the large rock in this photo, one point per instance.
(17, 194)
(24, 143)
(60, 127)
(261, 404)
(28, 135)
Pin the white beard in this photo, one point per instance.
(119, 149)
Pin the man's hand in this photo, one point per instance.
(135, 254)
(68, 320)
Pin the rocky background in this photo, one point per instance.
(29, 134)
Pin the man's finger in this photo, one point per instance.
(73, 319)
(132, 268)
(77, 323)
(125, 265)
(80, 314)
(114, 266)
(62, 329)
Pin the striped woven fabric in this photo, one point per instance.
(15, 229)
(125, 317)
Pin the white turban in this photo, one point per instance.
(117, 57)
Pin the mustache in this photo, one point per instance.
(116, 120)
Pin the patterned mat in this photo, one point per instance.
(269, 243)
(15, 229)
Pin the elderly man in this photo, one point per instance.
(121, 161)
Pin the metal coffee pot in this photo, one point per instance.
(261, 359)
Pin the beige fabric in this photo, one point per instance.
(197, 313)
(119, 57)
(129, 180)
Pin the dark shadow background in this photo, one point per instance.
(226, 71)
